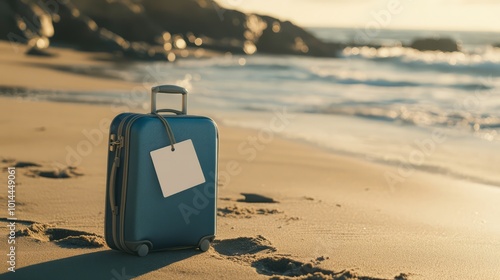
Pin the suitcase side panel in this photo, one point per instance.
(184, 218)
(114, 127)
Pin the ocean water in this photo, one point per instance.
(432, 111)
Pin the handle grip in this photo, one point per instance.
(169, 89)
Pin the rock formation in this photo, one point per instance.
(436, 44)
(150, 29)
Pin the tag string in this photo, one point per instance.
(168, 129)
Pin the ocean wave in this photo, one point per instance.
(267, 68)
(365, 70)
(259, 66)
(401, 83)
(486, 63)
(482, 125)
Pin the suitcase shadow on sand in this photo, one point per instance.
(100, 265)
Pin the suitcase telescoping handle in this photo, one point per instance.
(172, 90)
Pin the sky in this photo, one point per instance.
(483, 15)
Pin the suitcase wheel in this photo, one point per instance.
(142, 250)
(204, 245)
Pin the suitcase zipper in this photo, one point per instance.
(116, 145)
(126, 146)
(116, 164)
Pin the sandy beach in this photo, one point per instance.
(328, 217)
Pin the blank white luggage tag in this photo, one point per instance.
(177, 170)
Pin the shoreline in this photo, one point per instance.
(403, 166)
(423, 142)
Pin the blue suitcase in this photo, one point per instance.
(138, 218)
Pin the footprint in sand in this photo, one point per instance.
(58, 173)
(244, 212)
(259, 253)
(236, 211)
(243, 246)
(65, 238)
(68, 172)
(279, 267)
(256, 198)
(19, 164)
(283, 266)
(23, 164)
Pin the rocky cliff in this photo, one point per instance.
(151, 29)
